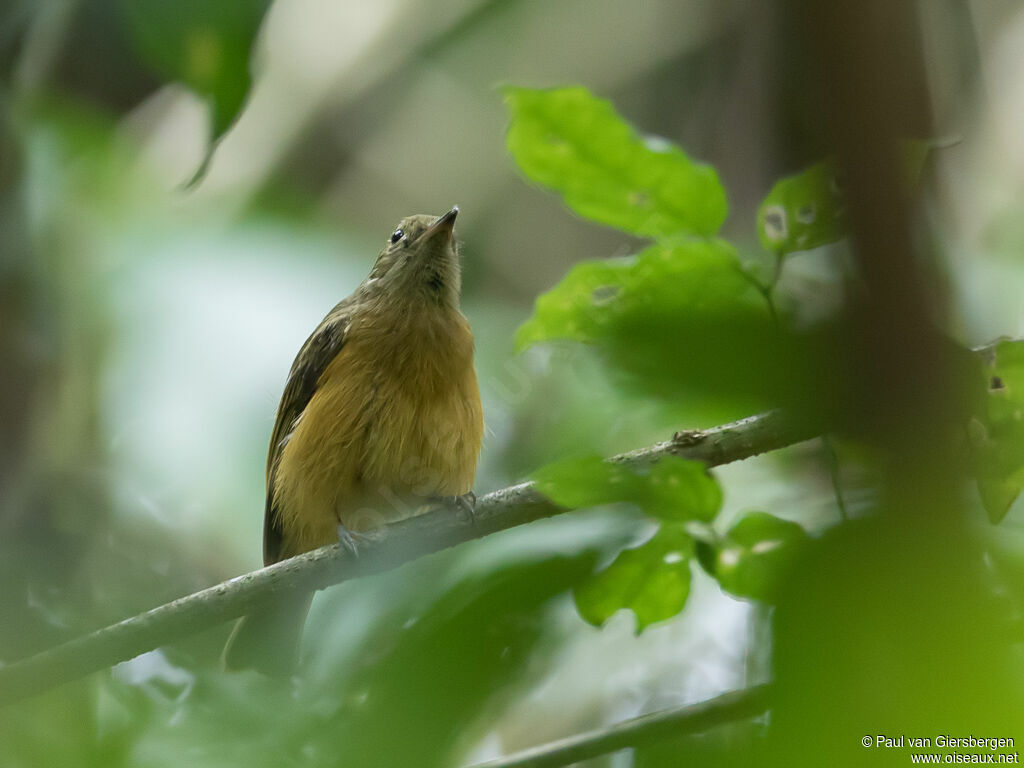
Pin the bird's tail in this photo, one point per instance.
(268, 640)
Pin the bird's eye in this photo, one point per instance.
(397, 235)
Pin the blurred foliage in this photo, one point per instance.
(890, 625)
(426, 678)
(204, 44)
(696, 295)
(892, 620)
(567, 139)
(117, 53)
(722, 747)
(808, 209)
(674, 489)
(568, 398)
(754, 557)
(691, 294)
(998, 437)
(695, 283)
(407, 692)
(803, 211)
(652, 580)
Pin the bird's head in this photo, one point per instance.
(420, 260)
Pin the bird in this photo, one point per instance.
(380, 418)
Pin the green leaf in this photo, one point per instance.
(803, 211)
(680, 489)
(694, 280)
(652, 580)
(999, 437)
(755, 556)
(673, 489)
(584, 481)
(575, 143)
(807, 209)
(675, 318)
(204, 44)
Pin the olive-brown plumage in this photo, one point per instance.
(381, 415)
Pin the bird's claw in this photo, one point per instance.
(350, 540)
(466, 503)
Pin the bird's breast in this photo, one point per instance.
(395, 419)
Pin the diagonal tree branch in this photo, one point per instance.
(396, 544)
(694, 718)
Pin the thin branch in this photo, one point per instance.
(834, 473)
(396, 544)
(695, 718)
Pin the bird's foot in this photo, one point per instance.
(465, 503)
(351, 541)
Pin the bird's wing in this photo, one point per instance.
(318, 351)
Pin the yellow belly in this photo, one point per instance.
(393, 422)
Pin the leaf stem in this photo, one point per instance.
(833, 470)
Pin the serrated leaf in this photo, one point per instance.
(203, 44)
(675, 318)
(755, 556)
(673, 489)
(575, 143)
(652, 580)
(687, 281)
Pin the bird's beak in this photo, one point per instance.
(443, 226)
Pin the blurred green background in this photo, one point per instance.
(147, 325)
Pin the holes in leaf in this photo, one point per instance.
(605, 294)
(775, 228)
(806, 214)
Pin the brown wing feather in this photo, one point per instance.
(318, 351)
